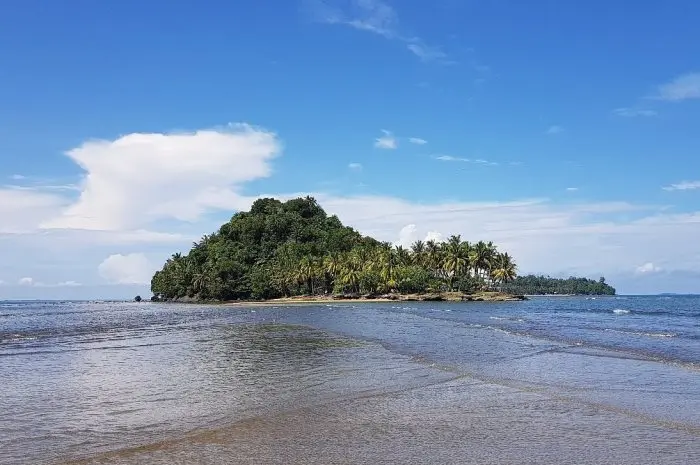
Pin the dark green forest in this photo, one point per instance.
(294, 248)
(282, 249)
(533, 285)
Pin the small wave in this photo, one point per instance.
(507, 318)
(641, 333)
(16, 338)
(620, 311)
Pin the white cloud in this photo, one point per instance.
(355, 166)
(555, 130)
(373, 16)
(633, 112)
(138, 179)
(427, 53)
(477, 161)
(22, 210)
(571, 189)
(133, 268)
(684, 87)
(647, 268)
(18, 177)
(30, 282)
(410, 234)
(407, 235)
(69, 284)
(683, 186)
(417, 141)
(387, 141)
(434, 236)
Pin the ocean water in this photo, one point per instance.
(548, 381)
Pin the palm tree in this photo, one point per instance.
(332, 265)
(481, 257)
(456, 259)
(403, 256)
(306, 273)
(351, 270)
(433, 255)
(505, 269)
(418, 251)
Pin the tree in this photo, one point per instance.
(294, 247)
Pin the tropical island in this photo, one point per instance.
(294, 251)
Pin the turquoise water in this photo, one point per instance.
(550, 380)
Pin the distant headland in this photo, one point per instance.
(294, 252)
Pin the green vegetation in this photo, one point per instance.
(537, 285)
(294, 248)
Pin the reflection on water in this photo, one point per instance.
(419, 383)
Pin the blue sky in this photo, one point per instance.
(564, 131)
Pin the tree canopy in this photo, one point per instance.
(540, 285)
(281, 249)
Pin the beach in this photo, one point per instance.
(546, 381)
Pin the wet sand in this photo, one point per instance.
(458, 421)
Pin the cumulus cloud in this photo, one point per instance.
(134, 268)
(138, 179)
(410, 234)
(434, 236)
(684, 87)
(683, 186)
(387, 141)
(417, 141)
(647, 268)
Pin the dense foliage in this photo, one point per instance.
(537, 285)
(293, 248)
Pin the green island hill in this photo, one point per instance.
(294, 252)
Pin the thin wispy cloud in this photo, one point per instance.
(428, 53)
(355, 166)
(634, 112)
(476, 161)
(554, 130)
(684, 87)
(417, 141)
(571, 189)
(683, 186)
(377, 17)
(387, 141)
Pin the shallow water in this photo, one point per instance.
(550, 380)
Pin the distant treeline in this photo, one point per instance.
(534, 285)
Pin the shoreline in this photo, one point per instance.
(453, 297)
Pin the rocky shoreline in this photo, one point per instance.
(485, 296)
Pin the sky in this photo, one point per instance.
(565, 132)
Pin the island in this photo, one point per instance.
(294, 251)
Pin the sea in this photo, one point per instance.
(551, 380)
